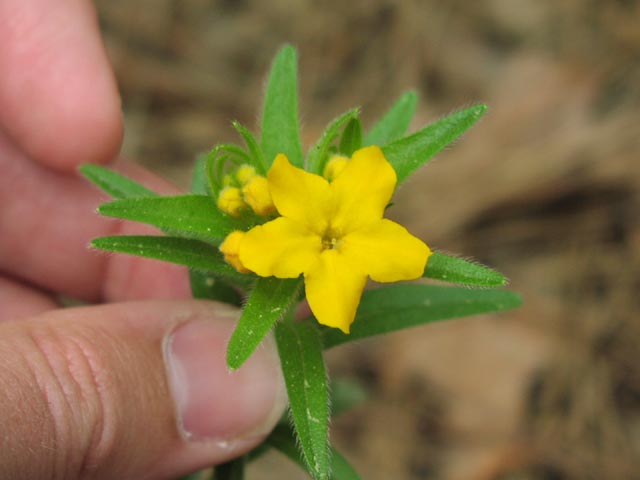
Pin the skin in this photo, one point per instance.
(85, 392)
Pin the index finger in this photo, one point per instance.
(58, 98)
(47, 220)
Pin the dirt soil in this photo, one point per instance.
(545, 189)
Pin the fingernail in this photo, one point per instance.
(212, 402)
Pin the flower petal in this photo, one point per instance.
(333, 289)
(281, 248)
(230, 247)
(386, 251)
(300, 195)
(363, 190)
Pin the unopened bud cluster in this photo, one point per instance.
(245, 190)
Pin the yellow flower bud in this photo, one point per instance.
(334, 167)
(245, 173)
(230, 248)
(256, 194)
(230, 201)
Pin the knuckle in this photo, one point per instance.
(74, 375)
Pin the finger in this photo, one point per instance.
(131, 390)
(47, 219)
(126, 277)
(58, 98)
(18, 300)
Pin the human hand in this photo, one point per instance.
(137, 389)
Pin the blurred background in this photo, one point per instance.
(544, 188)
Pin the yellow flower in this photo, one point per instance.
(230, 247)
(245, 173)
(334, 234)
(334, 167)
(256, 194)
(230, 201)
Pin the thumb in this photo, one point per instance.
(130, 390)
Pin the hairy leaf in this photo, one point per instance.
(269, 301)
(319, 153)
(255, 150)
(183, 251)
(396, 307)
(280, 129)
(116, 185)
(351, 137)
(395, 122)
(283, 439)
(194, 216)
(457, 270)
(306, 379)
(410, 153)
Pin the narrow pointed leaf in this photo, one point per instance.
(306, 379)
(351, 137)
(116, 185)
(183, 251)
(341, 469)
(283, 440)
(410, 153)
(269, 301)
(280, 129)
(194, 216)
(457, 270)
(394, 124)
(319, 153)
(397, 307)
(256, 154)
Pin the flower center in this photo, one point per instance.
(329, 242)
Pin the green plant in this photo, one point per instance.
(240, 203)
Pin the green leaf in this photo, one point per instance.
(269, 301)
(306, 379)
(456, 270)
(194, 216)
(199, 181)
(395, 122)
(351, 137)
(283, 439)
(280, 129)
(116, 185)
(209, 286)
(256, 152)
(341, 469)
(231, 470)
(396, 307)
(319, 153)
(409, 153)
(183, 251)
(216, 162)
